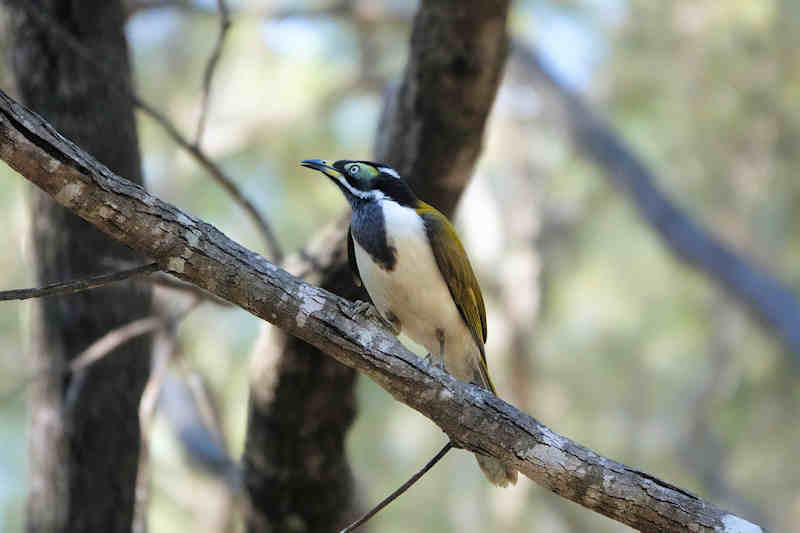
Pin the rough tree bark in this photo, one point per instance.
(302, 403)
(473, 418)
(84, 430)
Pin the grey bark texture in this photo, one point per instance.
(473, 418)
(302, 403)
(84, 429)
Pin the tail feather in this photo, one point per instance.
(497, 472)
(480, 375)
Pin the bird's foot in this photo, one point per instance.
(438, 362)
(370, 312)
(363, 309)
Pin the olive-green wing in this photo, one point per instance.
(457, 272)
(351, 258)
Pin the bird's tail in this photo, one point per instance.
(499, 473)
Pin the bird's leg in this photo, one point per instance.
(439, 361)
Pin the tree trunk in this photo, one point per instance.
(84, 429)
(302, 403)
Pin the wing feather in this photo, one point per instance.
(351, 258)
(457, 272)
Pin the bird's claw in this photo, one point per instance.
(435, 361)
(364, 310)
(370, 312)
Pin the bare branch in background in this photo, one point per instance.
(106, 344)
(191, 411)
(102, 347)
(473, 418)
(771, 300)
(211, 66)
(216, 172)
(165, 344)
(78, 285)
(400, 490)
(219, 176)
(278, 13)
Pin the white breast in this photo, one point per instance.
(415, 292)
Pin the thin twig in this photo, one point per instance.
(341, 8)
(276, 253)
(113, 339)
(211, 66)
(199, 155)
(78, 285)
(404, 487)
(162, 279)
(173, 283)
(110, 341)
(103, 346)
(164, 347)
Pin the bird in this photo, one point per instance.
(408, 257)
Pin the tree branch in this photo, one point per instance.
(78, 285)
(473, 418)
(211, 66)
(771, 300)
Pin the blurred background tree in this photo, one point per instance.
(83, 445)
(596, 328)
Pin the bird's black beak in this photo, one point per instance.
(322, 166)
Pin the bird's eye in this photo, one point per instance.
(353, 170)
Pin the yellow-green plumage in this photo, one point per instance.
(432, 288)
(457, 272)
(408, 257)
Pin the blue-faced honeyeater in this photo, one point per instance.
(412, 264)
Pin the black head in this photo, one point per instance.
(365, 181)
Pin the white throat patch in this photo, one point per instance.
(364, 195)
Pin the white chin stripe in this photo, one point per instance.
(365, 195)
(390, 171)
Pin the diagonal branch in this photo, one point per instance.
(771, 300)
(78, 285)
(473, 418)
